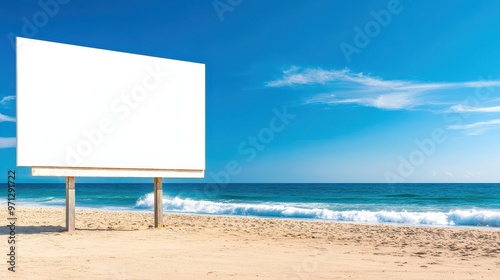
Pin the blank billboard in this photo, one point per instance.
(87, 108)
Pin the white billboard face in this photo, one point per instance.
(80, 107)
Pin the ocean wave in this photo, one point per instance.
(465, 217)
(49, 199)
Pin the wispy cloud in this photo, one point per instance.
(310, 76)
(365, 90)
(392, 101)
(3, 101)
(448, 173)
(469, 174)
(477, 128)
(4, 118)
(7, 142)
(6, 99)
(466, 109)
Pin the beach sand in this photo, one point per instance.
(123, 245)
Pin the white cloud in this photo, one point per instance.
(346, 87)
(466, 109)
(6, 99)
(392, 101)
(448, 173)
(310, 76)
(469, 174)
(477, 128)
(7, 142)
(476, 125)
(4, 118)
(365, 90)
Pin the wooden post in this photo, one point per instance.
(70, 203)
(158, 197)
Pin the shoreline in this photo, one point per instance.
(277, 218)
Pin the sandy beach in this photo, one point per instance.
(123, 245)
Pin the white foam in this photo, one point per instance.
(464, 217)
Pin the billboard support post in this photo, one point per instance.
(158, 197)
(70, 203)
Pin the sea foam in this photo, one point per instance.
(459, 217)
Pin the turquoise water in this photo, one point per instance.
(412, 204)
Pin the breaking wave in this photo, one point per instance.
(461, 217)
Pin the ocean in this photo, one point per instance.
(471, 205)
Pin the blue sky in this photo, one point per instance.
(304, 91)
